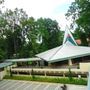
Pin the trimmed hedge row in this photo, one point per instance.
(47, 79)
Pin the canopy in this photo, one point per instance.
(5, 64)
(23, 60)
(68, 50)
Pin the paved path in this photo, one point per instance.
(29, 85)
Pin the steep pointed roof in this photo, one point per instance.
(68, 37)
(68, 50)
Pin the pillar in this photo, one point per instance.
(49, 64)
(37, 64)
(70, 62)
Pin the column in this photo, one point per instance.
(70, 62)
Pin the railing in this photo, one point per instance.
(49, 72)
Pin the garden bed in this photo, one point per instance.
(63, 80)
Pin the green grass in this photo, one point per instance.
(47, 79)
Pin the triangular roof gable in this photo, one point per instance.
(68, 37)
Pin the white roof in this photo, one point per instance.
(23, 59)
(64, 52)
(68, 50)
(5, 64)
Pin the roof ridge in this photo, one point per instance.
(56, 52)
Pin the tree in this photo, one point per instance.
(1, 1)
(24, 37)
(79, 11)
(50, 33)
(3, 52)
(11, 28)
(30, 33)
(41, 35)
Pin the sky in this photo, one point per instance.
(54, 9)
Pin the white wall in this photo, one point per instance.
(2, 74)
(85, 66)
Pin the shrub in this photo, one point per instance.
(47, 79)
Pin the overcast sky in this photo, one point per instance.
(54, 9)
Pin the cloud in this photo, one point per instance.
(54, 9)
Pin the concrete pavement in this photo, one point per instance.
(30, 85)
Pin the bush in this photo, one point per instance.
(47, 79)
(70, 74)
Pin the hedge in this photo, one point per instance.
(62, 80)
